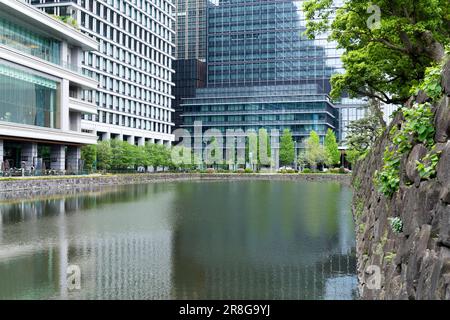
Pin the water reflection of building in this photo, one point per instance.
(168, 241)
(116, 261)
(262, 255)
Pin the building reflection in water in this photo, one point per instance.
(280, 240)
(244, 240)
(118, 258)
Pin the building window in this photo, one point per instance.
(27, 98)
(28, 42)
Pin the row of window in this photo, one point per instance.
(296, 130)
(262, 75)
(104, 100)
(152, 92)
(29, 42)
(134, 67)
(259, 118)
(129, 122)
(153, 78)
(296, 106)
(28, 98)
(137, 43)
(144, 13)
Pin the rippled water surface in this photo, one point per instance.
(184, 240)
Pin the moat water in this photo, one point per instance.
(182, 240)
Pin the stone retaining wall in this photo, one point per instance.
(415, 263)
(20, 188)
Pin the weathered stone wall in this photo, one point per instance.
(21, 188)
(414, 264)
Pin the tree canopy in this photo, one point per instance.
(287, 148)
(362, 133)
(315, 153)
(332, 154)
(388, 44)
(89, 155)
(104, 155)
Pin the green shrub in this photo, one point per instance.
(307, 170)
(334, 170)
(248, 170)
(89, 155)
(396, 224)
(427, 168)
(431, 83)
(286, 171)
(418, 125)
(359, 208)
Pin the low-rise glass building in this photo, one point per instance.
(41, 85)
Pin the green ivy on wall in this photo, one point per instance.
(417, 127)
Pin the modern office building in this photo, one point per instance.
(262, 72)
(41, 85)
(133, 65)
(190, 66)
(190, 74)
(350, 110)
(191, 16)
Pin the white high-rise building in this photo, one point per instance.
(133, 65)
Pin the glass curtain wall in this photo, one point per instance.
(28, 42)
(27, 98)
(260, 43)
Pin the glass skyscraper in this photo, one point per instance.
(262, 72)
(191, 29)
(190, 53)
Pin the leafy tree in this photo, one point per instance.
(166, 156)
(104, 155)
(141, 156)
(182, 157)
(302, 160)
(362, 133)
(264, 142)
(352, 156)
(89, 155)
(332, 153)
(251, 142)
(124, 155)
(213, 152)
(388, 44)
(158, 155)
(315, 153)
(287, 148)
(152, 154)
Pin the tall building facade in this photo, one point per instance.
(41, 85)
(190, 66)
(190, 74)
(262, 72)
(191, 18)
(133, 65)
